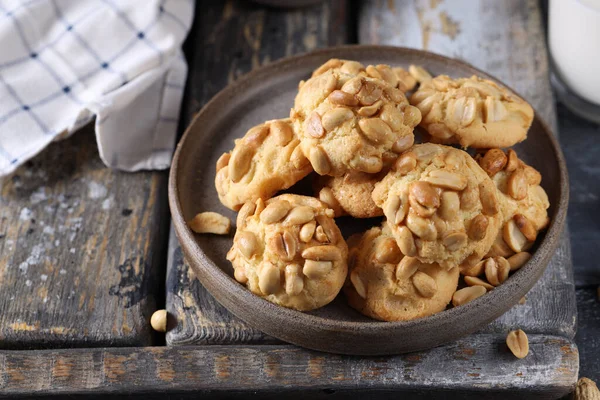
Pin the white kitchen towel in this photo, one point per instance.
(64, 62)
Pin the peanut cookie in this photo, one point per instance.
(385, 285)
(397, 77)
(441, 206)
(347, 123)
(472, 112)
(523, 202)
(266, 160)
(350, 194)
(289, 251)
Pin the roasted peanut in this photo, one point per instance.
(387, 251)
(375, 129)
(300, 215)
(316, 269)
(269, 278)
(465, 295)
(210, 222)
(275, 211)
(478, 227)
(158, 321)
(406, 163)
(419, 73)
(518, 260)
(517, 185)
(449, 206)
(475, 281)
(294, 283)
(406, 242)
(455, 240)
(336, 117)
(319, 160)
(424, 284)
(518, 343)
(307, 231)
(446, 179)
(282, 132)
(247, 243)
(322, 253)
(358, 284)
(342, 98)
(406, 268)
(493, 161)
(314, 126)
(525, 226)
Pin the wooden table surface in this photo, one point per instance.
(86, 253)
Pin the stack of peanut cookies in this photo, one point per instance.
(455, 225)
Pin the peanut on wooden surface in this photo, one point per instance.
(158, 321)
(586, 390)
(518, 343)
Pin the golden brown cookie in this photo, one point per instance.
(441, 206)
(266, 160)
(523, 202)
(397, 77)
(348, 123)
(384, 285)
(472, 112)
(349, 194)
(289, 251)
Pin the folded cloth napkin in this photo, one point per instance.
(64, 62)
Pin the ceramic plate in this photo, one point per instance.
(268, 93)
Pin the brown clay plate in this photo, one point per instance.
(268, 93)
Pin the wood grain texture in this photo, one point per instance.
(232, 38)
(579, 139)
(588, 332)
(288, 371)
(80, 250)
(505, 39)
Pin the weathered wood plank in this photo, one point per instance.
(288, 371)
(588, 332)
(232, 38)
(579, 141)
(80, 250)
(505, 39)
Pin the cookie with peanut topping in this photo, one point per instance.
(266, 160)
(397, 77)
(472, 112)
(347, 122)
(523, 201)
(440, 205)
(349, 194)
(289, 251)
(385, 285)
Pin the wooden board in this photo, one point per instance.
(588, 332)
(233, 38)
(462, 368)
(579, 139)
(80, 250)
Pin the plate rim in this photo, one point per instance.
(203, 266)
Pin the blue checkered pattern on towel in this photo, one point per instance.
(64, 62)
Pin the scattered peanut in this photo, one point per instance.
(158, 321)
(210, 222)
(586, 390)
(518, 343)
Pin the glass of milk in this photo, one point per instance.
(574, 39)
